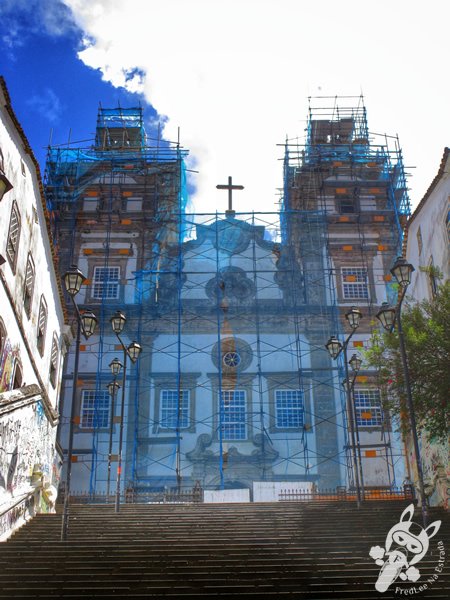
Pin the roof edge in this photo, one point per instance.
(432, 186)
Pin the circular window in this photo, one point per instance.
(232, 355)
(231, 359)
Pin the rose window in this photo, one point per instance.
(231, 359)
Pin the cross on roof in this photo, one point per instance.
(230, 187)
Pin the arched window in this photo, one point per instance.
(12, 245)
(2, 337)
(29, 286)
(17, 379)
(42, 326)
(5, 184)
(54, 360)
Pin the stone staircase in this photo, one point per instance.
(266, 550)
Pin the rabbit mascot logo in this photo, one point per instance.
(406, 544)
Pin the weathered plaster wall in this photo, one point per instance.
(28, 415)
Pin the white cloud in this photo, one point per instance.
(235, 76)
(22, 18)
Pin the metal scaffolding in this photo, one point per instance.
(232, 309)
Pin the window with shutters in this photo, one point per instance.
(12, 244)
(29, 286)
(105, 284)
(433, 277)
(17, 378)
(54, 361)
(42, 326)
(2, 339)
(419, 240)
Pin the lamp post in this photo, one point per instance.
(113, 389)
(5, 184)
(388, 317)
(86, 323)
(335, 348)
(133, 350)
(355, 363)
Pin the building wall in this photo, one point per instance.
(349, 182)
(428, 240)
(428, 245)
(107, 202)
(32, 349)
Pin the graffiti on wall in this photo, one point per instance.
(21, 511)
(27, 447)
(436, 470)
(8, 359)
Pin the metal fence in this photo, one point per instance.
(194, 495)
(132, 496)
(343, 495)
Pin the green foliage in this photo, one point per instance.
(426, 328)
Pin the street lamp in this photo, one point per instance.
(86, 323)
(353, 316)
(113, 389)
(132, 352)
(355, 362)
(73, 280)
(5, 184)
(118, 321)
(402, 271)
(388, 317)
(116, 366)
(335, 348)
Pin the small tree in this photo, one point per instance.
(426, 327)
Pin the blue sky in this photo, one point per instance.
(233, 76)
(54, 95)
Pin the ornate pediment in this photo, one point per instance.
(263, 452)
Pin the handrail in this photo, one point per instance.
(24, 497)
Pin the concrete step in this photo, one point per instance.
(280, 550)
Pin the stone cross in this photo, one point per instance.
(230, 187)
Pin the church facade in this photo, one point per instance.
(234, 385)
(231, 371)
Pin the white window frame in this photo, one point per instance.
(95, 404)
(13, 239)
(106, 288)
(54, 359)
(169, 409)
(233, 414)
(419, 240)
(28, 290)
(42, 326)
(358, 289)
(368, 400)
(287, 414)
(433, 281)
